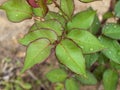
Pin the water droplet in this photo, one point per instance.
(91, 49)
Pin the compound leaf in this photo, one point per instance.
(71, 56)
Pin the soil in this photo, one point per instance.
(10, 33)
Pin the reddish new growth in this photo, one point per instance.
(33, 3)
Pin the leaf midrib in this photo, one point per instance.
(39, 52)
(71, 57)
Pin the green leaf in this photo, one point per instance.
(112, 49)
(71, 84)
(17, 87)
(42, 4)
(102, 60)
(17, 10)
(68, 7)
(115, 65)
(98, 72)
(59, 86)
(56, 75)
(117, 9)
(89, 80)
(91, 59)
(38, 12)
(41, 33)
(37, 52)
(110, 80)
(22, 84)
(94, 29)
(49, 1)
(82, 20)
(49, 24)
(56, 16)
(71, 56)
(112, 30)
(33, 28)
(84, 39)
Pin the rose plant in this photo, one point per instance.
(87, 49)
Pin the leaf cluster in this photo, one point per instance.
(86, 46)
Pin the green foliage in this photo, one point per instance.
(56, 75)
(17, 11)
(115, 65)
(71, 84)
(83, 39)
(117, 9)
(59, 86)
(37, 12)
(41, 49)
(49, 24)
(88, 80)
(82, 20)
(90, 59)
(37, 34)
(67, 7)
(56, 16)
(71, 56)
(87, 49)
(112, 49)
(112, 30)
(110, 80)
